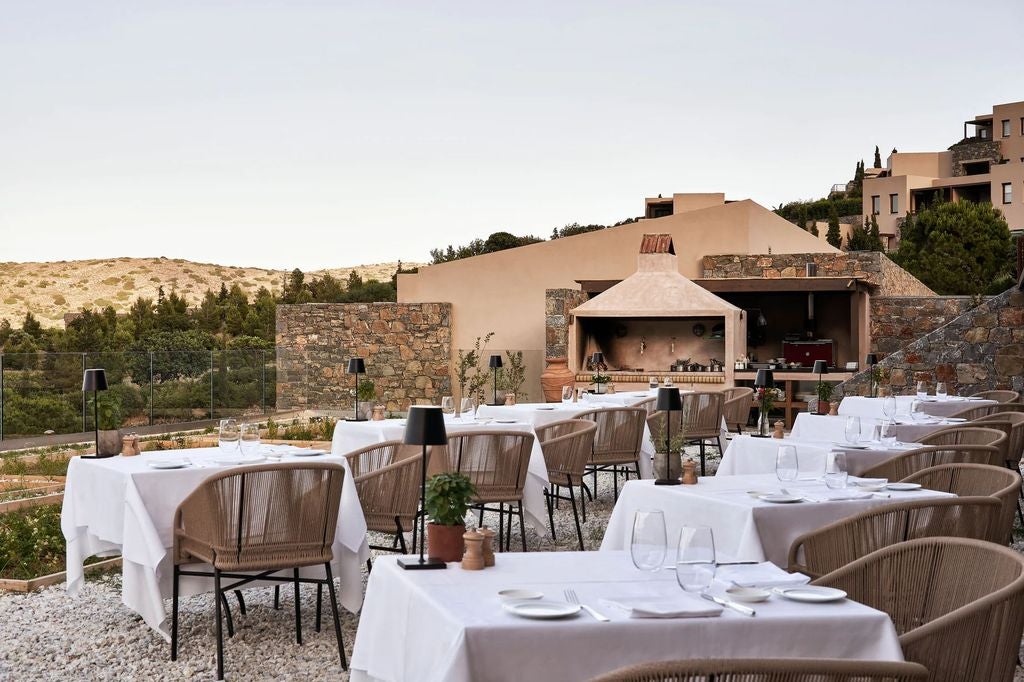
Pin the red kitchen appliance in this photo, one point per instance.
(806, 352)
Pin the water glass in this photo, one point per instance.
(567, 393)
(940, 390)
(916, 413)
(922, 389)
(852, 430)
(249, 439)
(836, 472)
(653, 383)
(787, 466)
(466, 406)
(228, 436)
(889, 406)
(648, 543)
(695, 558)
(887, 432)
(448, 405)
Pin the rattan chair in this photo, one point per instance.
(976, 479)
(767, 670)
(736, 408)
(970, 434)
(1013, 424)
(566, 445)
(496, 462)
(1002, 408)
(701, 420)
(957, 604)
(1000, 396)
(833, 546)
(389, 491)
(647, 403)
(252, 523)
(973, 412)
(899, 467)
(617, 443)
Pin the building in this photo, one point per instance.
(986, 165)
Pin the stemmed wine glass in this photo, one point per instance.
(647, 545)
(228, 436)
(922, 389)
(695, 560)
(940, 390)
(787, 466)
(567, 394)
(448, 405)
(249, 439)
(889, 407)
(852, 431)
(465, 406)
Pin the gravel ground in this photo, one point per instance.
(48, 635)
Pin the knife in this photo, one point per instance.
(739, 608)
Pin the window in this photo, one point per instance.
(1006, 127)
(1007, 192)
(894, 203)
(876, 203)
(1022, 125)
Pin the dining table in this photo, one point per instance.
(748, 454)
(452, 624)
(126, 505)
(936, 406)
(831, 428)
(746, 527)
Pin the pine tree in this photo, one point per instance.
(878, 158)
(874, 238)
(834, 236)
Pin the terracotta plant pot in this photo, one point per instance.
(822, 407)
(555, 377)
(445, 542)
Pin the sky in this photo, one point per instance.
(294, 133)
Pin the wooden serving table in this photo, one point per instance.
(787, 381)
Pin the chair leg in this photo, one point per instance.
(522, 525)
(481, 521)
(508, 531)
(174, 615)
(551, 513)
(319, 597)
(637, 465)
(334, 611)
(575, 515)
(277, 597)
(400, 535)
(227, 615)
(583, 498)
(615, 481)
(298, 608)
(241, 602)
(739, 428)
(701, 456)
(721, 451)
(217, 628)
(501, 526)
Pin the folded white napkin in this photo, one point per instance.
(678, 606)
(764, 574)
(837, 495)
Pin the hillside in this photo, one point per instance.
(51, 289)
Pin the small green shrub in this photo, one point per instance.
(448, 498)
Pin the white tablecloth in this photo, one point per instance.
(449, 625)
(745, 528)
(750, 455)
(121, 504)
(539, 414)
(823, 427)
(860, 406)
(621, 399)
(351, 436)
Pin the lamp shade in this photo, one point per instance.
(764, 379)
(871, 359)
(495, 362)
(597, 358)
(94, 380)
(425, 426)
(820, 367)
(356, 366)
(668, 400)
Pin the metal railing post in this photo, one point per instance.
(263, 381)
(85, 426)
(211, 384)
(2, 396)
(151, 394)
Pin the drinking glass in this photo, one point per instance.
(249, 439)
(787, 466)
(227, 437)
(887, 432)
(695, 558)
(940, 390)
(852, 431)
(836, 472)
(567, 394)
(889, 406)
(448, 405)
(466, 406)
(648, 543)
(653, 383)
(916, 413)
(922, 389)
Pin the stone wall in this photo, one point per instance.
(899, 320)
(557, 304)
(407, 348)
(979, 350)
(990, 150)
(871, 266)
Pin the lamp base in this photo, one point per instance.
(668, 481)
(415, 564)
(756, 435)
(355, 419)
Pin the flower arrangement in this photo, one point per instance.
(766, 398)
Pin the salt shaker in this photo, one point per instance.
(473, 559)
(778, 430)
(689, 472)
(488, 545)
(127, 449)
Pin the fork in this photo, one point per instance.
(570, 596)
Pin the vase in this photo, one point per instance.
(555, 376)
(762, 423)
(108, 443)
(445, 543)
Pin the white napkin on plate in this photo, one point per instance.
(678, 606)
(764, 574)
(837, 495)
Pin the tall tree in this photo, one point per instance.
(834, 236)
(31, 326)
(878, 158)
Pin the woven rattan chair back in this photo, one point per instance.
(647, 403)
(1012, 423)
(369, 459)
(619, 436)
(391, 493)
(957, 604)
(261, 518)
(976, 479)
(767, 670)
(973, 412)
(833, 546)
(969, 434)
(1002, 408)
(566, 446)
(701, 416)
(495, 461)
(737, 406)
(899, 467)
(1000, 396)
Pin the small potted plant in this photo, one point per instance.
(824, 391)
(367, 397)
(448, 498)
(108, 437)
(512, 376)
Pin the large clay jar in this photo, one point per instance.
(445, 542)
(555, 377)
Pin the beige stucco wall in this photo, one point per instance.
(1011, 147)
(883, 187)
(682, 203)
(1014, 174)
(931, 164)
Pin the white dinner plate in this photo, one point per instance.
(305, 452)
(779, 498)
(852, 446)
(814, 594)
(545, 408)
(955, 420)
(904, 486)
(520, 595)
(541, 609)
(166, 464)
(240, 460)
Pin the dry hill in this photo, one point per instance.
(51, 289)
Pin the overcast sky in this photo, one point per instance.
(292, 133)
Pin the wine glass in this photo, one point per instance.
(465, 406)
(922, 389)
(787, 466)
(889, 406)
(887, 432)
(249, 439)
(653, 383)
(916, 411)
(448, 405)
(228, 436)
(852, 431)
(940, 390)
(695, 559)
(836, 472)
(648, 543)
(567, 394)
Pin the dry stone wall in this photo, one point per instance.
(557, 306)
(407, 348)
(899, 320)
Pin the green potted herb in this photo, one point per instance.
(448, 498)
(108, 437)
(367, 392)
(824, 391)
(512, 376)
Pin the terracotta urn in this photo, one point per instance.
(555, 376)
(445, 542)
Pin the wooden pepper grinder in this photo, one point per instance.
(510, 398)
(488, 545)
(473, 559)
(833, 408)
(378, 413)
(135, 444)
(127, 447)
(689, 472)
(779, 426)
